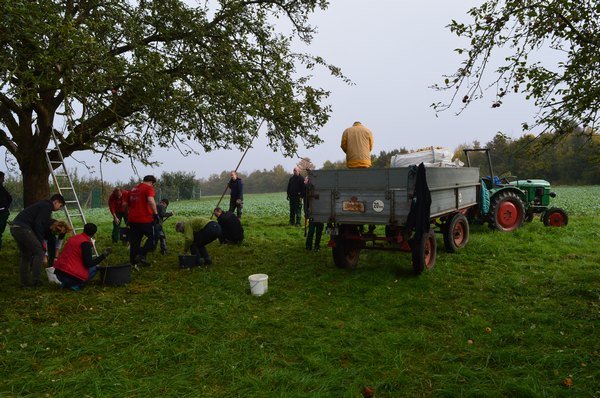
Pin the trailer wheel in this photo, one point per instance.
(507, 212)
(456, 233)
(345, 253)
(424, 253)
(555, 217)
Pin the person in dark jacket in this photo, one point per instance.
(231, 227)
(28, 229)
(315, 229)
(163, 214)
(5, 201)
(295, 193)
(236, 199)
(76, 265)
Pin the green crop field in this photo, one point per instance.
(510, 315)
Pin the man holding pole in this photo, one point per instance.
(236, 199)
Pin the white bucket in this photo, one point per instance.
(259, 284)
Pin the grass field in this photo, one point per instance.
(511, 315)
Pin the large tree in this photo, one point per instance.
(547, 49)
(125, 77)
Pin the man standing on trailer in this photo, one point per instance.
(28, 229)
(357, 144)
(142, 217)
(5, 201)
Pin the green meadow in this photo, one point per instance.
(510, 315)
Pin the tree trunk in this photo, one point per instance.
(35, 178)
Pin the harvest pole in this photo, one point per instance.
(239, 163)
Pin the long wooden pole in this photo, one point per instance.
(239, 163)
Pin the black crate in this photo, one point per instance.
(115, 275)
(188, 261)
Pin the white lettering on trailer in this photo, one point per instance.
(378, 206)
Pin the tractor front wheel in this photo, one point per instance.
(507, 211)
(424, 253)
(456, 233)
(555, 217)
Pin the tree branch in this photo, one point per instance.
(8, 143)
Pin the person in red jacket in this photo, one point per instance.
(117, 204)
(142, 217)
(76, 266)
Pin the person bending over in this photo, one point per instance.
(198, 232)
(28, 230)
(76, 266)
(231, 227)
(54, 236)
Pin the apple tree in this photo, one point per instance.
(125, 77)
(516, 38)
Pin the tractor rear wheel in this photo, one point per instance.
(424, 253)
(507, 211)
(555, 217)
(456, 233)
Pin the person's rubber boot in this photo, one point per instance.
(139, 259)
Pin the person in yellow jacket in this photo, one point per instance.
(198, 232)
(357, 143)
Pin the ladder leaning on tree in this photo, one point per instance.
(64, 186)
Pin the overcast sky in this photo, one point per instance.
(393, 50)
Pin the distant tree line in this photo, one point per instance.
(573, 159)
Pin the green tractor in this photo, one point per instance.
(506, 204)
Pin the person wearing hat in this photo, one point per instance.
(357, 144)
(142, 217)
(76, 266)
(198, 232)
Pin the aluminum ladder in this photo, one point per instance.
(64, 186)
